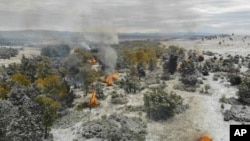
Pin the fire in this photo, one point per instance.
(205, 138)
(93, 102)
(179, 66)
(115, 75)
(109, 78)
(187, 60)
(92, 61)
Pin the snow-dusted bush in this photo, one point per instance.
(161, 105)
(244, 90)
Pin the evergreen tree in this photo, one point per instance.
(151, 65)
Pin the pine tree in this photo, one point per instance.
(151, 65)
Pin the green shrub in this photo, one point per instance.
(223, 98)
(118, 98)
(207, 87)
(234, 79)
(161, 105)
(188, 68)
(244, 90)
(189, 80)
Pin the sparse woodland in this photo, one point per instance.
(34, 92)
(7, 53)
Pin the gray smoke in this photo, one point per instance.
(108, 56)
(102, 41)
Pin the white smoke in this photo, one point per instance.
(85, 45)
(103, 40)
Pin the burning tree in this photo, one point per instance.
(109, 78)
(93, 102)
(92, 61)
(205, 138)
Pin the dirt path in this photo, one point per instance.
(203, 117)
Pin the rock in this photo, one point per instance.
(232, 101)
(238, 113)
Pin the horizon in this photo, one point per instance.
(149, 33)
(117, 16)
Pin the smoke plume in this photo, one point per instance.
(108, 57)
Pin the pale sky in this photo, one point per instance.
(220, 16)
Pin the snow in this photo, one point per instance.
(204, 115)
(67, 134)
(213, 118)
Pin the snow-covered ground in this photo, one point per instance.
(204, 115)
(233, 47)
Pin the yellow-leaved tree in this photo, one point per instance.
(140, 55)
(130, 57)
(4, 90)
(86, 55)
(49, 111)
(52, 91)
(20, 79)
(52, 86)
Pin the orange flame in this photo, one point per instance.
(92, 61)
(109, 78)
(93, 102)
(187, 60)
(205, 138)
(115, 75)
(179, 66)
